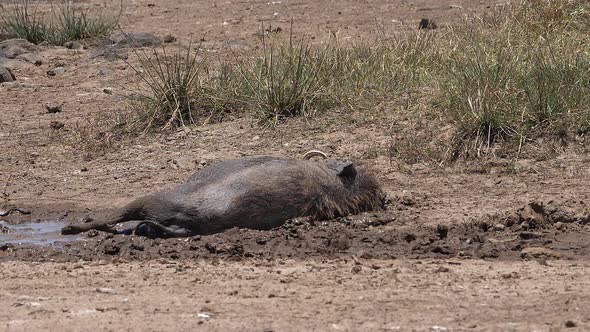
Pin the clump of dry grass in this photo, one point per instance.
(286, 80)
(67, 23)
(519, 73)
(181, 88)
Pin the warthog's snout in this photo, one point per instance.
(254, 192)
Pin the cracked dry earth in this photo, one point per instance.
(496, 246)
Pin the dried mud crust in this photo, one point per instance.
(535, 231)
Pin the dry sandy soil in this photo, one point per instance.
(499, 246)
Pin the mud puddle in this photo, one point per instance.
(34, 234)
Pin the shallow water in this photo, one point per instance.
(38, 233)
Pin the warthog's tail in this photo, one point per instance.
(131, 211)
(314, 153)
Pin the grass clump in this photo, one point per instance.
(520, 73)
(381, 71)
(77, 24)
(288, 80)
(24, 22)
(171, 87)
(182, 88)
(66, 23)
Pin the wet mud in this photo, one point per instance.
(536, 231)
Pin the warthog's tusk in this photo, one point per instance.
(314, 153)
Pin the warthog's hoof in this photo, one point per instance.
(70, 230)
(153, 230)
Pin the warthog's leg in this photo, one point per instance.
(131, 211)
(79, 228)
(152, 229)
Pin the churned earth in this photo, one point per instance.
(495, 245)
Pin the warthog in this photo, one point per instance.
(254, 192)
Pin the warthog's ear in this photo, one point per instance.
(346, 170)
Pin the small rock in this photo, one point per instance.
(509, 275)
(441, 269)
(111, 249)
(105, 290)
(442, 231)
(6, 75)
(56, 125)
(169, 39)
(558, 225)
(84, 169)
(570, 323)
(9, 86)
(56, 71)
(53, 108)
(30, 58)
(356, 269)
(427, 24)
(108, 91)
(138, 39)
(533, 214)
(539, 252)
(73, 45)
(366, 255)
(12, 48)
(527, 235)
(499, 227)
(204, 315)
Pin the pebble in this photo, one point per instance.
(12, 48)
(499, 227)
(56, 125)
(6, 75)
(169, 39)
(105, 290)
(356, 269)
(73, 45)
(442, 269)
(31, 58)
(509, 275)
(56, 71)
(570, 323)
(53, 108)
(427, 24)
(136, 39)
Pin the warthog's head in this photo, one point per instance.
(346, 189)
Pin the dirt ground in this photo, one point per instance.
(501, 245)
